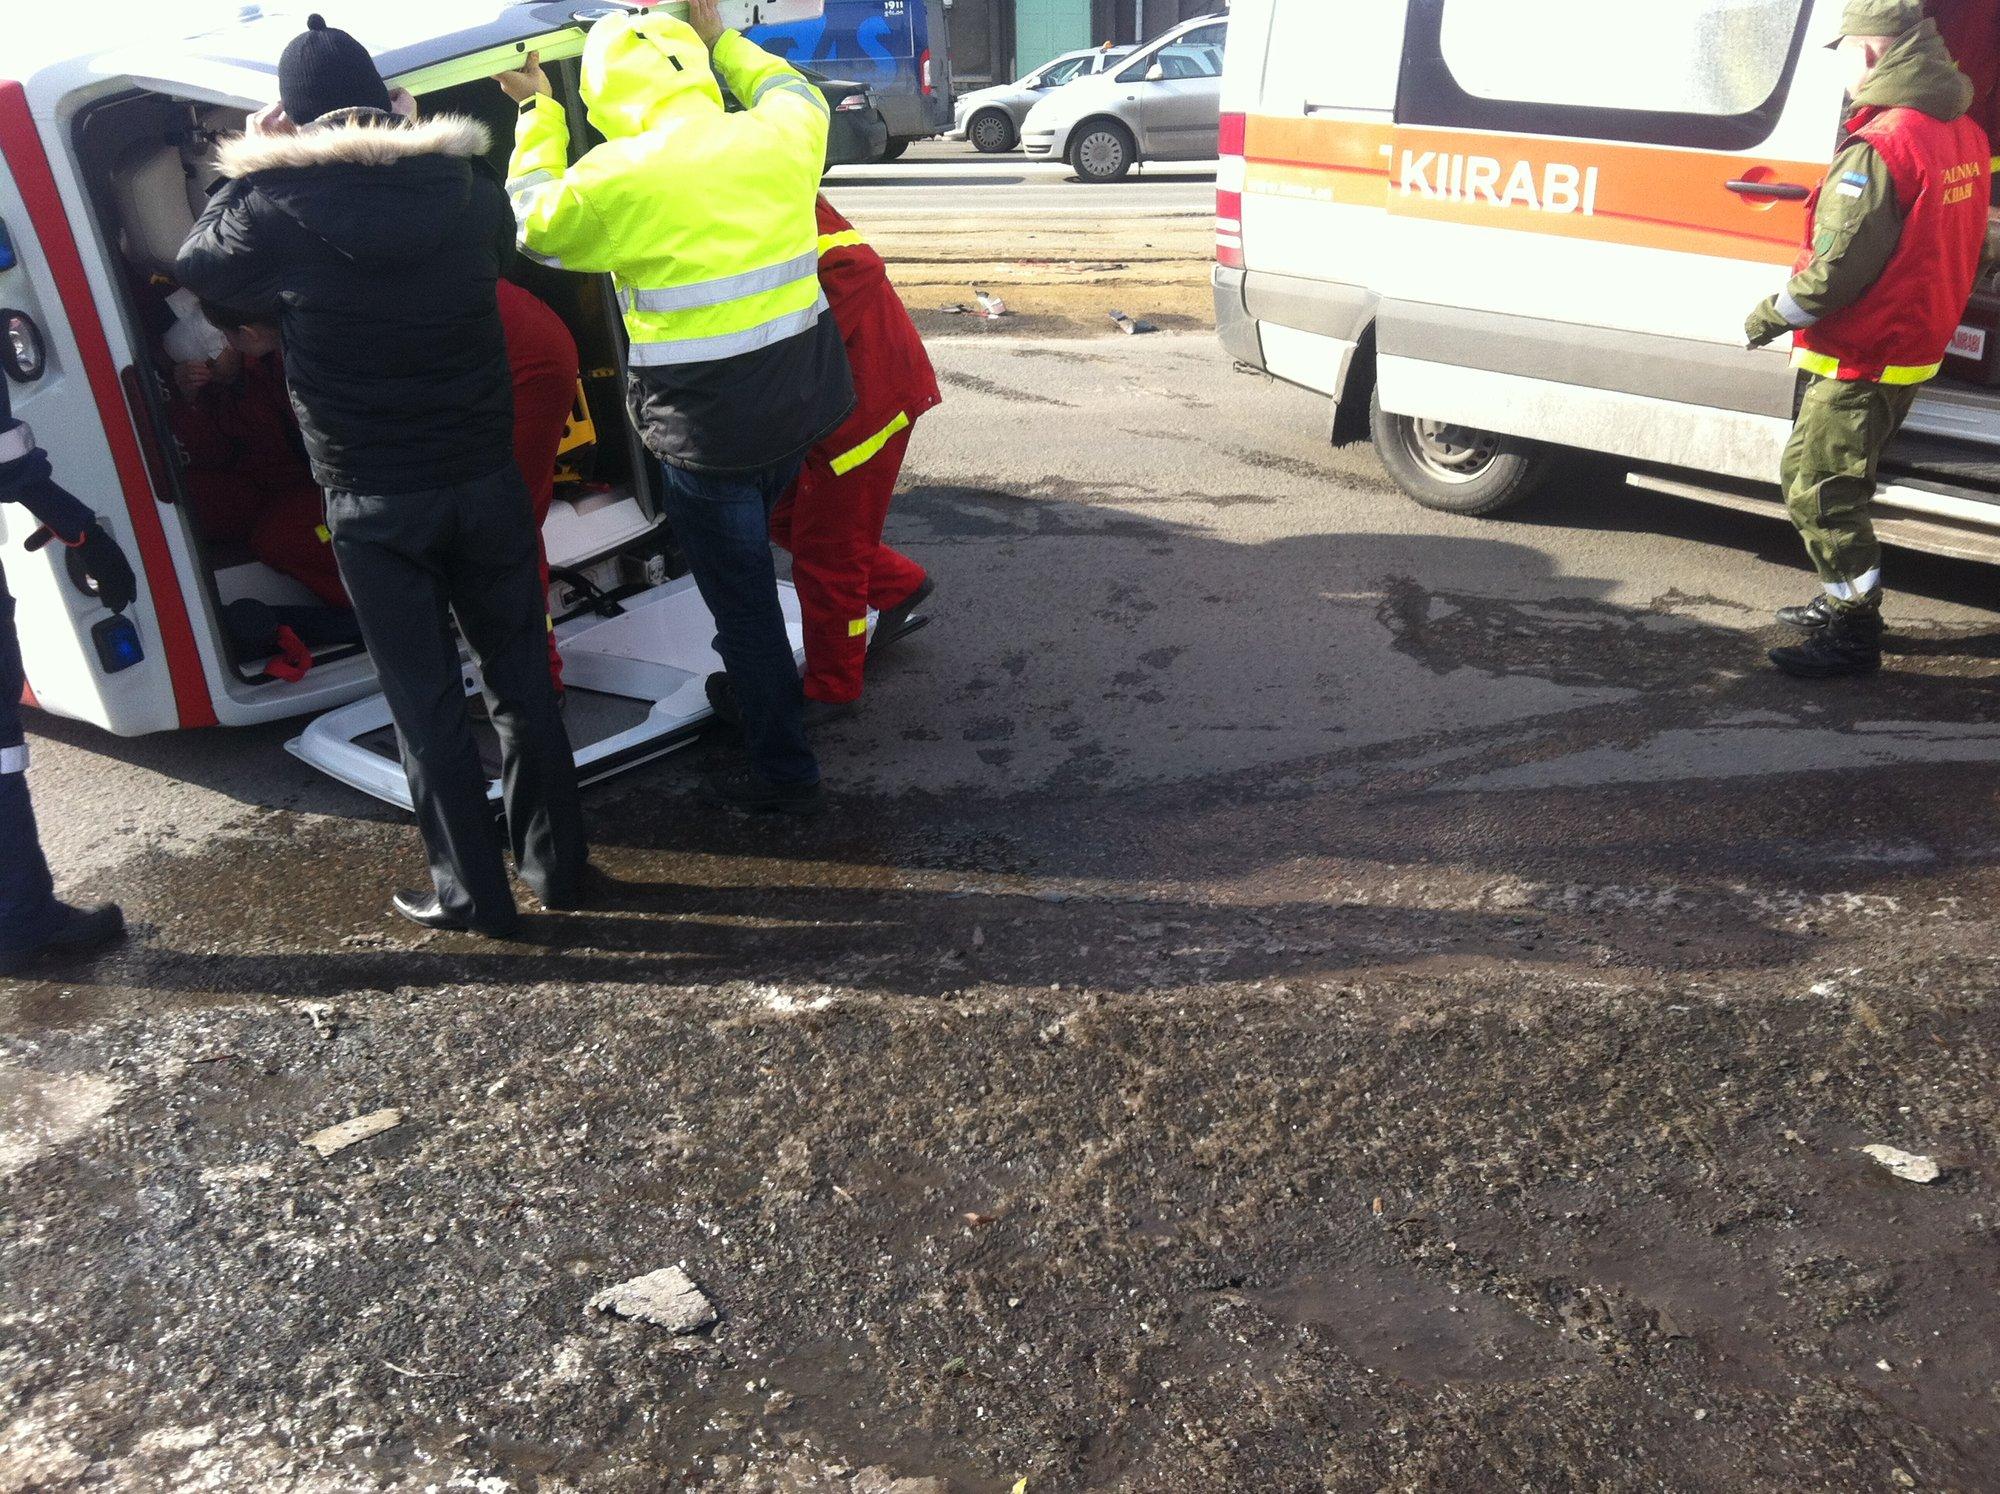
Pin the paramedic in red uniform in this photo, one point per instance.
(831, 520)
(542, 357)
(34, 923)
(1894, 238)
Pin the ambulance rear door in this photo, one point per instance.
(1584, 202)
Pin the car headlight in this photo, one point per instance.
(27, 356)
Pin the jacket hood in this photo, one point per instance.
(1918, 73)
(639, 71)
(377, 189)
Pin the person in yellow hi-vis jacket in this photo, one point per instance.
(705, 220)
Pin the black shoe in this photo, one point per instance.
(593, 889)
(722, 700)
(1850, 644)
(900, 621)
(423, 908)
(82, 931)
(751, 792)
(1814, 614)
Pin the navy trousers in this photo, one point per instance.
(723, 523)
(28, 908)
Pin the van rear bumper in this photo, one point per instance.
(1233, 323)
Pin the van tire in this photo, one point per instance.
(893, 151)
(991, 132)
(1102, 150)
(1456, 469)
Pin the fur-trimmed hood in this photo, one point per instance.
(355, 137)
(380, 191)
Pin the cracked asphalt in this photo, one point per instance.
(1295, 993)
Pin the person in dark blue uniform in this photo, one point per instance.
(34, 923)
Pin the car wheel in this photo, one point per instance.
(1456, 469)
(893, 151)
(1103, 151)
(991, 132)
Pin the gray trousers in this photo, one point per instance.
(471, 548)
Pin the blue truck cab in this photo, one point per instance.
(899, 48)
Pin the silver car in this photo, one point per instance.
(1162, 104)
(991, 117)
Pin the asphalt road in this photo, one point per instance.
(1295, 991)
(955, 181)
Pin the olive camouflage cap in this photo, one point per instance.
(1879, 18)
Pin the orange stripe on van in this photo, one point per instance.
(1648, 196)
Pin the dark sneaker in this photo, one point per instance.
(1850, 644)
(1814, 614)
(423, 908)
(82, 931)
(751, 792)
(901, 620)
(722, 700)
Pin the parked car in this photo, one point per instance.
(900, 48)
(991, 117)
(1164, 104)
(859, 134)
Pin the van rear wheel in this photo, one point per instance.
(1456, 469)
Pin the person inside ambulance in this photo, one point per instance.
(377, 242)
(35, 925)
(831, 520)
(1894, 240)
(705, 220)
(245, 468)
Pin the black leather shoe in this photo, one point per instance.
(82, 931)
(423, 908)
(901, 620)
(751, 792)
(1850, 644)
(1814, 614)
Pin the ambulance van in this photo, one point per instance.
(109, 120)
(1496, 231)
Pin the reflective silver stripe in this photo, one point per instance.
(17, 443)
(517, 184)
(14, 759)
(789, 83)
(1854, 591)
(1794, 313)
(542, 259)
(726, 287)
(727, 344)
(520, 194)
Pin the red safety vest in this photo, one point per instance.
(1898, 331)
(893, 379)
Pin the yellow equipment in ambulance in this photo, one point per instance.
(107, 135)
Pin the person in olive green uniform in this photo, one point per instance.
(1894, 241)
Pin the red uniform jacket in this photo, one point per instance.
(892, 372)
(1906, 319)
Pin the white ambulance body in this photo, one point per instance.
(1521, 227)
(108, 120)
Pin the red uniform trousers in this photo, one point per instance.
(832, 525)
(543, 357)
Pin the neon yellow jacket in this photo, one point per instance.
(704, 219)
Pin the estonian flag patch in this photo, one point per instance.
(1852, 183)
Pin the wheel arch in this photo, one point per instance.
(1083, 127)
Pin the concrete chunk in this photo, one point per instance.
(665, 1298)
(339, 1138)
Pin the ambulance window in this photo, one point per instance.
(1333, 54)
(1699, 73)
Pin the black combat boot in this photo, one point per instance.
(1813, 615)
(1850, 644)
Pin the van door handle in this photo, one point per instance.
(1783, 191)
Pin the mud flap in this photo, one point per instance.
(635, 687)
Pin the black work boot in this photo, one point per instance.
(79, 931)
(1850, 644)
(1813, 615)
(902, 619)
(753, 793)
(728, 710)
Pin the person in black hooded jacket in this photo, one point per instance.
(377, 243)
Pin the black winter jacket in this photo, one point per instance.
(377, 245)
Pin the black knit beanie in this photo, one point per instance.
(322, 70)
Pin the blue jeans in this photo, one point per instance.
(29, 912)
(723, 522)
